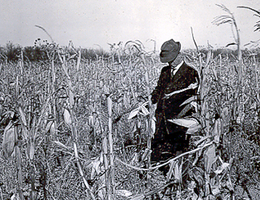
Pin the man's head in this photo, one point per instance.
(169, 51)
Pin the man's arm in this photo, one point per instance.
(156, 94)
(191, 81)
(192, 86)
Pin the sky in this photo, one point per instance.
(95, 23)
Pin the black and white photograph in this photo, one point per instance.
(129, 100)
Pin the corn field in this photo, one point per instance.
(76, 128)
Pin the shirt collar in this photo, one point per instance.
(177, 67)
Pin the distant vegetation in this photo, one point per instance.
(40, 52)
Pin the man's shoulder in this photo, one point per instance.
(190, 68)
(166, 68)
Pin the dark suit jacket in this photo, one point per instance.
(167, 83)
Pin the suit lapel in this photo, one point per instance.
(174, 83)
(176, 79)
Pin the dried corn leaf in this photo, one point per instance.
(52, 128)
(144, 110)
(170, 172)
(193, 129)
(185, 122)
(71, 98)
(178, 172)
(202, 139)
(8, 140)
(22, 116)
(60, 144)
(209, 56)
(147, 77)
(222, 168)
(30, 149)
(146, 154)
(125, 100)
(109, 105)
(218, 130)
(106, 90)
(209, 157)
(216, 191)
(48, 126)
(18, 157)
(153, 125)
(137, 197)
(229, 184)
(91, 120)
(240, 117)
(123, 193)
(224, 114)
(95, 168)
(133, 113)
(67, 117)
(189, 100)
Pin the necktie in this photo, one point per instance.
(173, 71)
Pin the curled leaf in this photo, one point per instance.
(230, 44)
(133, 113)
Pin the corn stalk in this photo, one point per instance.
(72, 124)
(53, 82)
(18, 156)
(215, 132)
(111, 189)
(149, 131)
(230, 19)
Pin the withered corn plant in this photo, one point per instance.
(24, 112)
(76, 128)
(230, 19)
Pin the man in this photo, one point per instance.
(177, 83)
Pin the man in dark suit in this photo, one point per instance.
(177, 83)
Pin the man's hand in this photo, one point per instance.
(167, 96)
(193, 86)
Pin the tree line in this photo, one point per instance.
(41, 52)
